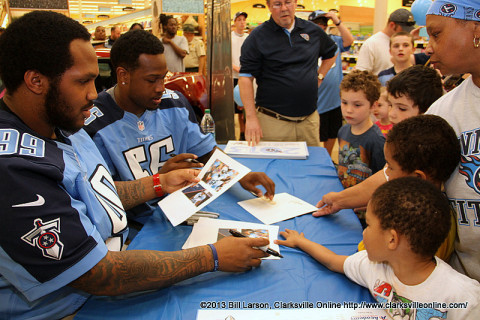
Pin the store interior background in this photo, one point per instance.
(363, 17)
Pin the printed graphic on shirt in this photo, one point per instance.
(353, 164)
(383, 292)
(45, 236)
(470, 169)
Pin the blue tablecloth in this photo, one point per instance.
(296, 278)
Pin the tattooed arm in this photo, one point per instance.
(122, 272)
(133, 193)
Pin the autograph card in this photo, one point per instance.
(217, 176)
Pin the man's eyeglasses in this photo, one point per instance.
(279, 5)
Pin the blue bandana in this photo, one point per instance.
(457, 9)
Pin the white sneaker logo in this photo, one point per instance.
(37, 203)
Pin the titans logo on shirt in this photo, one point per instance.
(45, 237)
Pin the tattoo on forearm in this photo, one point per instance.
(131, 193)
(138, 270)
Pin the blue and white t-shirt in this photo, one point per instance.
(60, 215)
(136, 147)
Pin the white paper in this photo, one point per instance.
(208, 230)
(218, 175)
(268, 149)
(283, 207)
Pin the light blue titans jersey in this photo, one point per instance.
(136, 147)
(59, 214)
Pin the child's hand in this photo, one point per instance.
(292, 238)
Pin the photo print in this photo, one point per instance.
(218, 175)
(197, 194)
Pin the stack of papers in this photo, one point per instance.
(283, 207)
(208, 230)
(267, 149)
(217, 176)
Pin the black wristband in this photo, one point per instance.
(337, 24)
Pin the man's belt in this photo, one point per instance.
(278, 115)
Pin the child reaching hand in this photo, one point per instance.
(407, 220)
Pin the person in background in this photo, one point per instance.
(99, 37)
(282, 55)
(136, 26)
(138, 124)
(63, 228)
(380, 112)
(360, 142)
(115, 33)
(374, 54)
(99, 34)
(328, 101)
(176, 47)
(412, 92)
(401, 49)
(238, 37)
(196, 59)
(407, 221)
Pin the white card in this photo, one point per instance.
(283, 207)
(218, 175)
(268, 149)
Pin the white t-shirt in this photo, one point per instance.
(461, 108)
(374, 54)
(237, 41)
(174, 62)
(443, 286)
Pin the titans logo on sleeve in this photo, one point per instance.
(45, 236)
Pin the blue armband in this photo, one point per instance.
(215, 257)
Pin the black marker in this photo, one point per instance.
(237, 234)
(187, 160)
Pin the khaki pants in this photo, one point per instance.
(280, 130)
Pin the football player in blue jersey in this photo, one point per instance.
(138, 123)
(62, 215)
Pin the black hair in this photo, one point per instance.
(164, 19)
(427, 143)
(321, 20)
(416, 209)
(39, 40)
(127, 49)
(421, 84)
(136, 24)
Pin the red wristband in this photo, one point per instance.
(157, 185)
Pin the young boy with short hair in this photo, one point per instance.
(401, 49)
(360, 142)
(412, 92)
(426, 147)
(407, 220)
